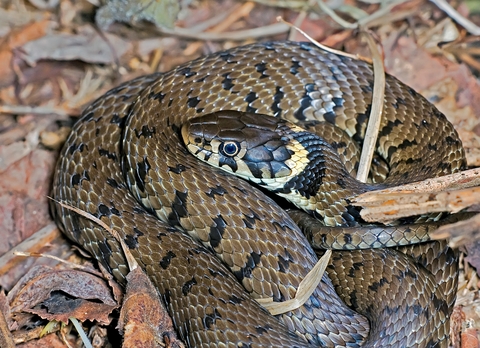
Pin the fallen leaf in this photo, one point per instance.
(143, 318)
(60, 294)
(87, 46)
(162, 13)
(473, 254)
(14, 40)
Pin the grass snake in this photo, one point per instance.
(212, 242)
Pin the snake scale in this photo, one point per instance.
(211, 242)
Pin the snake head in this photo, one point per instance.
(252, 146)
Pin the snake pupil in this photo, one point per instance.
(230, 148)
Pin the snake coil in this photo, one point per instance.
(212, 243)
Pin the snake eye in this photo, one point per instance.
(230, 148)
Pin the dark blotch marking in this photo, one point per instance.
(249, 98)
(234, 299)
(261, 68)
(226, 56)
(141, 173)
(177, 169)
(347, 238)
(338, 145)
(88, 117)
(240, 189)
(103, 210)
(210, 319)
(187, 287)
(330, 117)
(351, 216)
(438, 114)
(193, 102)
(106, 153)
(217, 273)
(176, 129)
(137, 232)
(294, 67)
(157, 96)
(74, 147)
(411, 91)
(246, 272)
(283, 264)
(412, 161)
(361, 120)
(451, 141)
(145, 132)
(138, 210)
(131, 241)
(250, 220)
(269, 46)
(227, 83)
(305, 102)
(277, 98)
(388, 128)
(356, 266)
(107, 252)
(377, 285)
(113, 183)
(179, 208)
(78, 178)
(165, 261)
(305, 46)
(216, 232)
(219, 190)
(433, 344)
(187, 72)
(440, 305)
(338, 101)
(367, 89)
(116, 119)
(417, 309)
(260, 330)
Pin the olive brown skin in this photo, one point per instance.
(211, 242)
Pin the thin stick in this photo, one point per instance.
(268, 30)
(457, 17)
(52, 257)
(132, 264)
(343, 23)
(376, 112)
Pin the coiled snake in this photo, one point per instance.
(126, 164)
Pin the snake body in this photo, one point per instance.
(124, 163)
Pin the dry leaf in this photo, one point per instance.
(16, 39)
(162, 13)
(87, 46)
(60, 294)
(143, 318)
